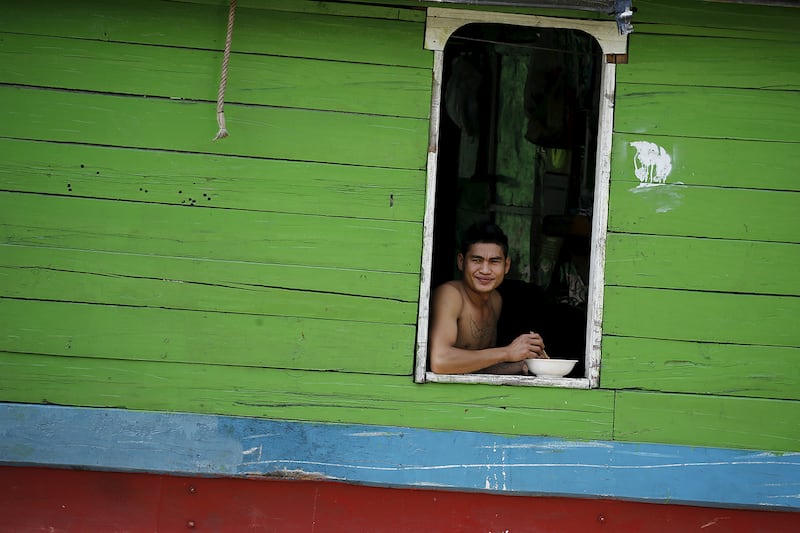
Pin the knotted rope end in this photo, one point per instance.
(223, 131)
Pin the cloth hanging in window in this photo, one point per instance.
(461, 100)
(550, 95)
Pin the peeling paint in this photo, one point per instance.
(295, 474)
(204, 445)
(375, 434)
(549, 446)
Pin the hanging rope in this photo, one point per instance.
(223, 131)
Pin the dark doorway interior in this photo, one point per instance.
(517, 146)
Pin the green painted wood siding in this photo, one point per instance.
(701, 298)
(128, 235)
(275, 273)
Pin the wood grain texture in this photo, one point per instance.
(690, 111)
(291, 293)
(206, 446)
(138, 279)
(206, 233)
(701, 368)
(298, 395)
(711, 62)
(267, 132)
(93, 280)
(701, 316)
(714, 162)
(704, 420)
(714, 265)
(183, 179)
(402, 11)
(704, 212)
(716, 87)
(273, 340)
(384, 42)
(192, 74)
(259, 31)
(700, 18)
(722, 113)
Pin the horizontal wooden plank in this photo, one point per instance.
(124, 21)
(209, 233)
(350, 8)
(204, 337)
(583, 9)
(194, 75)
(711, 62)
(212, 180)
(702, 264)
(301, 395)
(698, 420)
(198, 285)
(732, 19)
(700, 368)
(711, 212)
(132, 279)
(701, 316)
(260, 31)
(713, 162)
(208, 447)
(364, 40)
(266, 132)
(723, 113)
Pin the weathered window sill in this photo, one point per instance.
(495, 379)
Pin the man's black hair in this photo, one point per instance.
(484, 232)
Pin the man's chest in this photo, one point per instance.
(477, 329)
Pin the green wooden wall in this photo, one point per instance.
(275, 273)
(701, 301)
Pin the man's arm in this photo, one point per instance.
(507, 369)
(446, 358)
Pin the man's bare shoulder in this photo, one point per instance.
(449, 294)
(497, 300)
(450, 288)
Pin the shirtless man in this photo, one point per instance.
(464, 312)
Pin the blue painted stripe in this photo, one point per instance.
(190, 444)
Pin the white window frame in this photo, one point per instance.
(441, 24)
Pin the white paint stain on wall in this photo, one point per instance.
(496, 474)
(652, 164)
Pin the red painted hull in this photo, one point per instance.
(55, 500)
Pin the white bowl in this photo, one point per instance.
(555, 368)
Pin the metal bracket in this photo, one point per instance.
(623, 12)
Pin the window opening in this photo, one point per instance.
(521, 139)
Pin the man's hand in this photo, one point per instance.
(527, 346)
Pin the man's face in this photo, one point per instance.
(484, 266)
